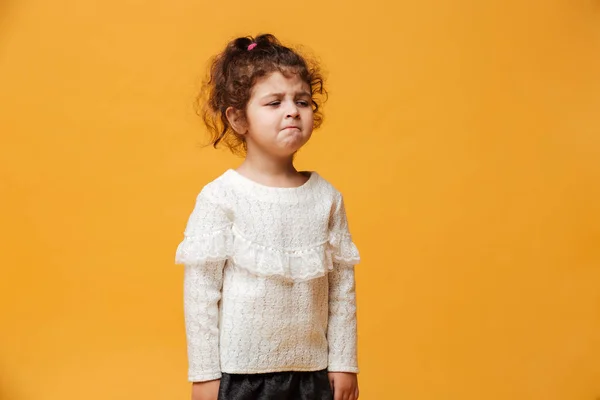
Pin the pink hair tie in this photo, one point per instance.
(251, 46)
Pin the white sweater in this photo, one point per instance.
(269, 279)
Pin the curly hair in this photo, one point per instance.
(233, 73)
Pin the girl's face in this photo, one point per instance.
(279, 115)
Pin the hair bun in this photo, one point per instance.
(242, 43)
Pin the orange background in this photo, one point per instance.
(464, 135)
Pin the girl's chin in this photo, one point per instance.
(292, 146)
(293, 137)
(285, 145)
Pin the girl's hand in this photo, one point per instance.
(208, 390)
(344, 385)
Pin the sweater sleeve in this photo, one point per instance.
(342, 326)
(204, 250)
(202, 292)
(341, 331)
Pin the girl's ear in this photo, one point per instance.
(236, 120)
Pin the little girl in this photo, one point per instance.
(269, 287)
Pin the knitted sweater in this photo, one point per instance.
(269, 279)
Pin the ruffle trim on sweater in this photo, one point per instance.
(343, 248)
(291, 264)
(196, 249)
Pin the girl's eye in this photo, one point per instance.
(301, 103)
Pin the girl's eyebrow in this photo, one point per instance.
(302, 93)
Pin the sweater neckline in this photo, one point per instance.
(242, 181)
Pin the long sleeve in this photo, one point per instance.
(342, 325)
(204, 250)
(341, 331)
(202, 292)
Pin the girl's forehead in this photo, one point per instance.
(277, 82)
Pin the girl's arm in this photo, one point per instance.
(341, 333)
(204, 250)
(202, 292)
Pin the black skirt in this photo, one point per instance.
(292, 385)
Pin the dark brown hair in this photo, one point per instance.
(233, 73)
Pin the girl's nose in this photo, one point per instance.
(292, 110)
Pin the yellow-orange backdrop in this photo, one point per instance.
(464, 135)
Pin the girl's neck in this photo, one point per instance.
(272, 172)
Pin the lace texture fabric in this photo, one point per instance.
(269, 279)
